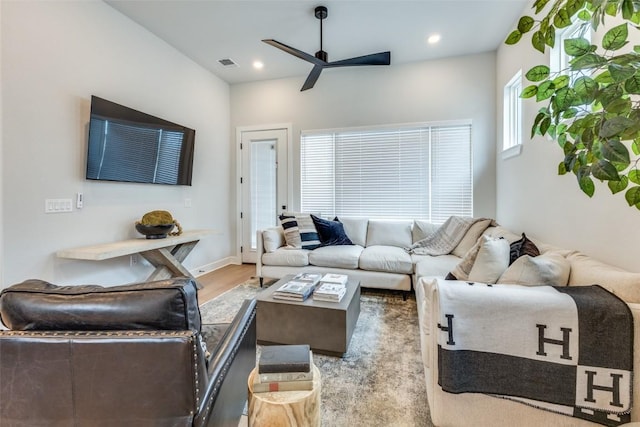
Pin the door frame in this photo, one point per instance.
(257, 128)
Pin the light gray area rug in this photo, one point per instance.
(380, 381)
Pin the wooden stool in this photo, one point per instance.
(285, 408)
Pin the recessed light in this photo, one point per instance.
(258, 65)
(433, 39)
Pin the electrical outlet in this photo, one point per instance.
(133, 260)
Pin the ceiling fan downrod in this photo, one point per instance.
(321, 14)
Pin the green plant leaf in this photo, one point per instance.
(564, 98)
(618, 186)
(562, 169)
(529, 91)
(604, 78)
(586, 89)
(514, 37)
(604, 171)
(635, 146)
(538, 41)
(632, 85)
(618, 106)
(616, 37)
(621, 73)
(632, 195)
(584, 15)
(562, 19)
(615, 151)
(544, 125)
(538, 73)
(561, 81)
(627, 9)
(525, 24)
(573, 6)
(545, 90)
(539, 5)
(587, 186)
(634, 176)
(611, 9)
(550, 37)
(590, 60)
(614, 126)
(577, 47)
(569, 113)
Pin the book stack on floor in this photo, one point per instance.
(284, 368)
(332, 288)
(298, 288)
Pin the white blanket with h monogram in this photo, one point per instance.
(564, 349)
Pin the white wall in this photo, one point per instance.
(531, 197)
(55, 55)
(1, 174)
(448, 89)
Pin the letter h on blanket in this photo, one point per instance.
(490, 335)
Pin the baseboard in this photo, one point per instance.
(208, 268)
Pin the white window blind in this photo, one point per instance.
(421, 172)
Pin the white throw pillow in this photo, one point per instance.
(272, 239)
(492, 260)
(550, 268)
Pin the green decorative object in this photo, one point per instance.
(158, 224)
(591, 108)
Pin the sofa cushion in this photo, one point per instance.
(430, 266)
(471, 237)
(299, 231)
(331, 233)
(389, 233)
(492, 260)
(588, 271)
(356, 229)
(522, 246)
(170, 304)
(550, 268)
(462, 270)
(422, 229)
(286, 257)
(343, 256)
(273, 238)
(391, 259)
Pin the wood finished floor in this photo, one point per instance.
(223, 279)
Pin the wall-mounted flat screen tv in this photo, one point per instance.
(131, 146)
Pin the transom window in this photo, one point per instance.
(409, 171)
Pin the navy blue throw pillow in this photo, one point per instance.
(331, 233)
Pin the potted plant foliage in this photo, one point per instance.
(591, 108)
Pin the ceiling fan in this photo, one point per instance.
(320, 60)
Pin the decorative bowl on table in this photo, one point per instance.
(156, 231)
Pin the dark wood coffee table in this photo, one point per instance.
(326, 326)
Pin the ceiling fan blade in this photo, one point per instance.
(312, 78)
(381, 58)
(295, 52)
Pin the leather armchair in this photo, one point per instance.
(132, 355)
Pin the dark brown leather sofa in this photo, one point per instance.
(120, 356)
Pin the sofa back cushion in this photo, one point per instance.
(36, 305)
(589, 271)
(356, 229)
(422, 229)
(389, 233)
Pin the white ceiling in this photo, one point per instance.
(210, 30)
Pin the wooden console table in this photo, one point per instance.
(166, 255)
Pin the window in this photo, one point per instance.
(512, 120)
(559, 61)
(412, 171)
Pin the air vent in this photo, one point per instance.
(227, 62)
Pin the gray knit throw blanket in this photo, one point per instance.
(446, 238)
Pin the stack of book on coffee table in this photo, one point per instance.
(332, 288)
(298, 288)
(284, 368)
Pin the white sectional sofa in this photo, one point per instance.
(378, 260)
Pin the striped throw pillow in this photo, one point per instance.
(299, 231)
